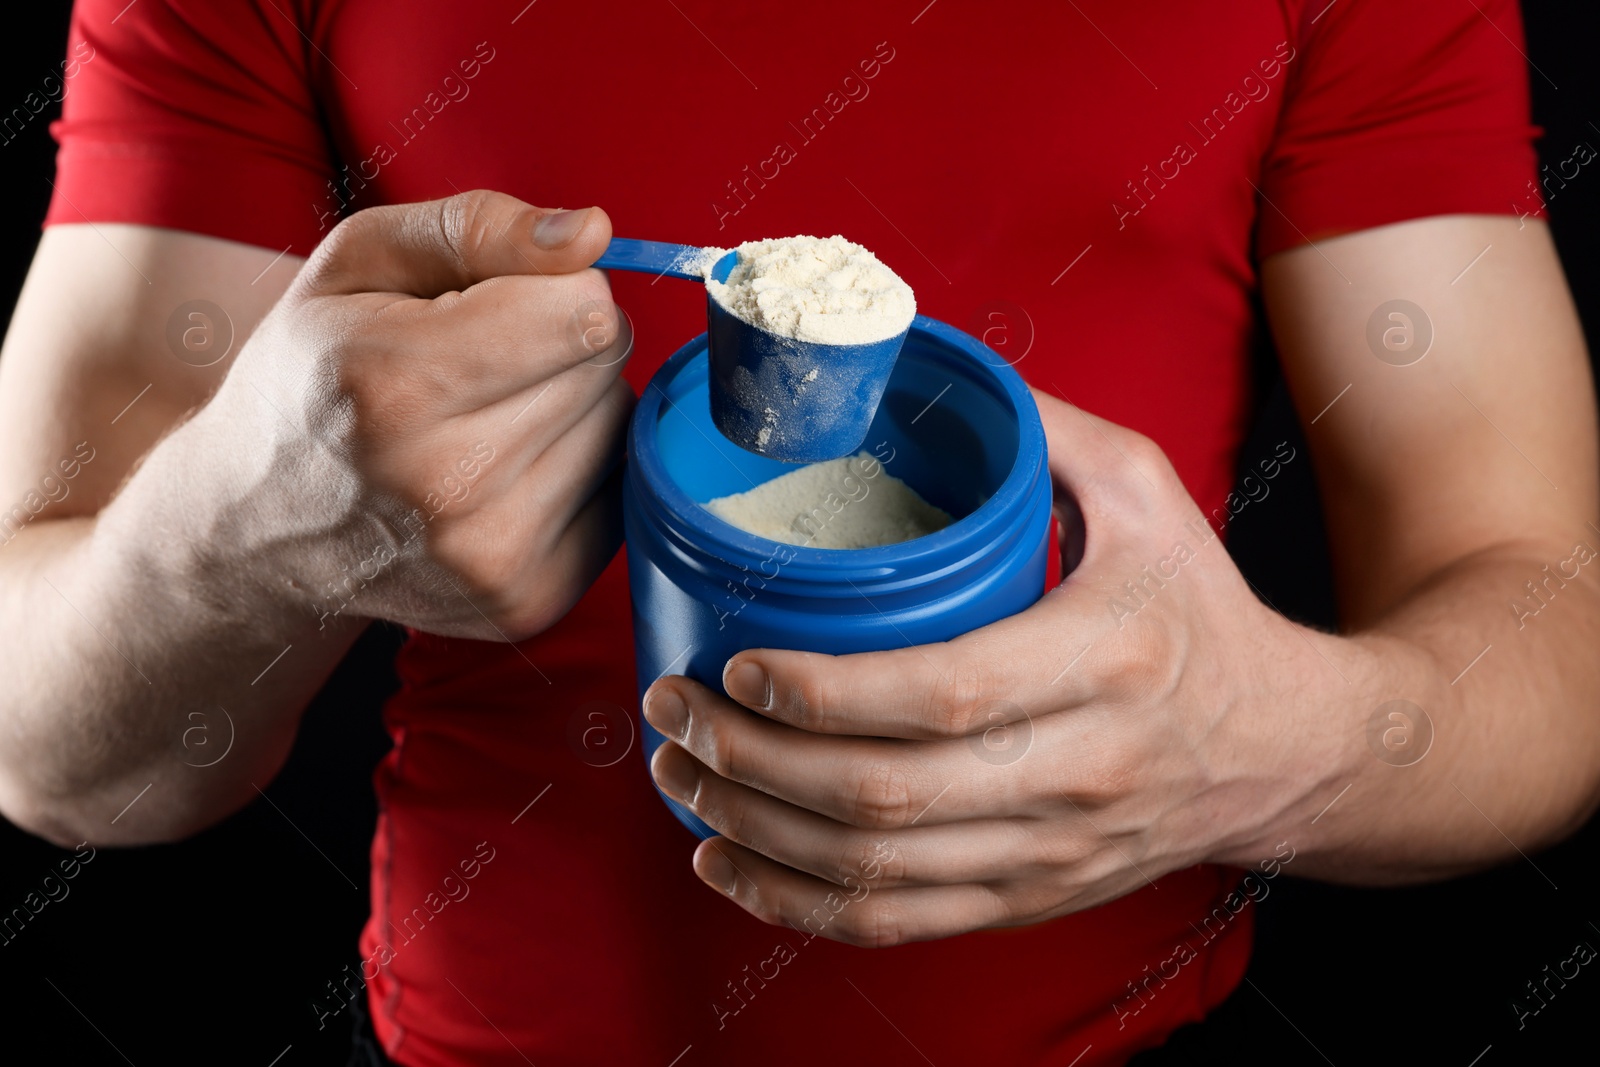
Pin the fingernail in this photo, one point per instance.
(558, 230)
(748, 684)
(665, 710)
(715, 870)
(675, 774)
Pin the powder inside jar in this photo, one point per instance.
(850, 502)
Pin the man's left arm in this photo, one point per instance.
(1460, 487)
(1151, 712)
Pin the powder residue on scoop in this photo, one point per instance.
(850, 502)
(693, 260)
(823, 290)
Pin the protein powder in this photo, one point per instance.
(850, 502)
(823, 290)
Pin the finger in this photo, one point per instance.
(873, 783)
(537, 396)
(542, 540)
(971, 851)
(505, 333)
(565, 474)
(583, 549)
(997, 675)
(548, 400)
(1051, 656)
(866, 916)
(509, 437)
(435, 247)
(510, 349)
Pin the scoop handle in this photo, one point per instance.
(650, 257)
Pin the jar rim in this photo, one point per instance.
(701, 533)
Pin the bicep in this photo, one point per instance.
(1485, 437)
(106, 354)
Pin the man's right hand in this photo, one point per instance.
(428, 419)
(421, 426)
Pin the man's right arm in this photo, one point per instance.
(378, 444)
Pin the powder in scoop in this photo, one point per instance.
(694, 260)
(824, 290)
(851, 502)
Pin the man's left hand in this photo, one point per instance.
(1147, 714)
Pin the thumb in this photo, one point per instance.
(438, 246)
(1113, 485)
(1090, 456)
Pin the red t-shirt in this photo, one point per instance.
(1113, 173)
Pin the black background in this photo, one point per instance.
(212, 951)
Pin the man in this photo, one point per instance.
(411, 421)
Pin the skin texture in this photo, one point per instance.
(1204, 726)
(421, 426)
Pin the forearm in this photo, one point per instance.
(1507, 758)
(152, 659)
(363, 456)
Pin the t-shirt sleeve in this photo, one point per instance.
(193, 115)
(1397, 111)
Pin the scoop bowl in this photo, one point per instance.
(787, 399)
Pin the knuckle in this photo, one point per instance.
(723, 752)
(593, 324)
(340, 256)
(1148, 661)
(805, 703)
(340, 405)
(882, 799)
(877, 923)
(1149, 458)
(486, 566)
(1009, 905)
(347, 234)
(731, 818)
(366, 406)
(520, 615)
(531, 616)
(1073, 846)
(356, 379)
(1020, 904)
(759, 904)
(728, 813)
(465, 224)
(870, 864)
(1097, 782)
(1143, 450)
(590, 286)
(955, 704)
(807, 691)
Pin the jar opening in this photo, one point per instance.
(946, 427)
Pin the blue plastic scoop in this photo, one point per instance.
(791, 400)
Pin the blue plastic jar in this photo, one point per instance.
(955, 423)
